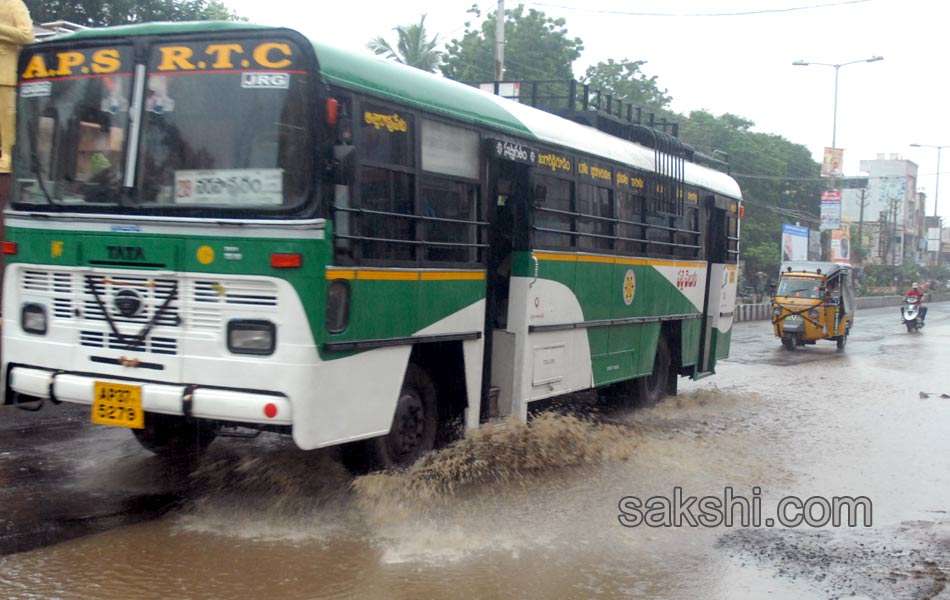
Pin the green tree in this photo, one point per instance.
(414, 47)
(626, 81)
(536, 48)
(98, 13)
(777, 178)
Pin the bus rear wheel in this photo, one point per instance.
(411, 435)
(171, 436)
(652, 388)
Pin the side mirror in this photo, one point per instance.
(344, 165)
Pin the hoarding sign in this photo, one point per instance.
(831, 163)
(841, 246)
(830, 210)
(794, 242)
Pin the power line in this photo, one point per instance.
(716, 14)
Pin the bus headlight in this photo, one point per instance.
(252, 337)
(33, 318)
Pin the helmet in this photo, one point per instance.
(914, 285)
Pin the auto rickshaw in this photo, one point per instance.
(813, 301)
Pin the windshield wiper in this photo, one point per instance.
(35, 167)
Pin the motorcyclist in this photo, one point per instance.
(918, 294)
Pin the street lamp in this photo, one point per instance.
(937, 186)
(834, 122)
(834, 125)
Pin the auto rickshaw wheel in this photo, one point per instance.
(841, 341)
(789, 343)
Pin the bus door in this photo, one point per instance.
(508, 186)
(720, 283)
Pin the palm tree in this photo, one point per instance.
(414, 48)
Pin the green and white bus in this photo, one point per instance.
(220, 224)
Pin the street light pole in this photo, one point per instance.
(837, 67)
(937, 186)
(936, 196)
(834, 119)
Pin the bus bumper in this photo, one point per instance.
(204, 402)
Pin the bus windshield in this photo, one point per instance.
(222, 128)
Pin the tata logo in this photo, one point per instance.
(127, 303)
(125, 253)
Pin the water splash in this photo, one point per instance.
(508, 454)
(282, 494)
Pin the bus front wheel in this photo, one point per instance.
(411, 435)
(172, 436)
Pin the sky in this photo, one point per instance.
(710, 56)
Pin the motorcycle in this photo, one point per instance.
(911, 314)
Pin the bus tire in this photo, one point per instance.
(412, 434)
(653, 388)
(172, 436)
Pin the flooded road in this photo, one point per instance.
(518, 512)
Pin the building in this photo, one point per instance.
(886, 218)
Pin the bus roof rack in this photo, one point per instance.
(595, 108)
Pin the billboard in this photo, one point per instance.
(933, 239)
(830, 210)
(841, 246)
(831, 163)
(794, 242)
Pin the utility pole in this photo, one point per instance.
(863, 202)
(500, 41)
(894, 209)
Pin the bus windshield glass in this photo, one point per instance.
(224, 127)
(73, 126)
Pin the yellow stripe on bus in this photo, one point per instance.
(633, 261)
(620, 260)
(555, 256)
(385, 275)
(341, 274)
(593, 258)
(453, 276)
(388, 275)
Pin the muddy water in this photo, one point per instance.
(532, 512)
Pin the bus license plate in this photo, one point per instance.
(117, 404)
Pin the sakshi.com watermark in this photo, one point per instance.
(735, 510)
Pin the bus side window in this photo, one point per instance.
(630, 230)
(389, 224)
(595, 220)
(549, 224)
(386, 183)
